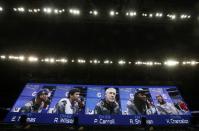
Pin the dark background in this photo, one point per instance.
(99, 37)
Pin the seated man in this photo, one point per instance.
(108, 105)
(140, 105)
(165, 108)
(71, 105)
(41, 101)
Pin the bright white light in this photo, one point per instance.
(172, 16)
(21, 58)
(73, 61)
(74, 11)
(157, 63)
(47, 10)
(193, 62)
(121, 62)
(30, 10)
(32, 59)
(3, 57)
(21, 9)
(46, 60)
(129, 62)
(63, 60)
(138, 63)
(52, 60)
(131, 13)
(184, 16)
(15, 9)
(171, 63)
(150, 15)
(158, 15)
(95, 12)
(107, 62)
(112, 13)
(149, 63)
(56, 11)
(144, 14)
(1, 9)
(35, 10)
(11, 57)
(81, 61)
(95, 61)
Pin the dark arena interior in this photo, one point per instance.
(99, 42)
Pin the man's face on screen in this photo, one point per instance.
(110, 95)
(160, 99)
(44, 96)
(142, 96)
(75, 96)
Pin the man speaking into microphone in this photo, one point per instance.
(70, 105)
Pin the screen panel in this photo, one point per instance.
(100, 105)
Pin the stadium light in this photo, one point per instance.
(157, 63)
(74, 11)
(149, 63)
(30, 10)
(184, 16)
(3, 57)
(35, 10)
(63, 60)
(21, 58)
(138, 63)
(1, 9)
(121, 62)
(131, 13)
(150, 15)
(52, 60)
(107, 62)
(47, 10)
(113, 13)
(46, 60)
(95, 61)
(32, 59)
(158, 15)
(56, 11)
(21, 9)
(144, 14)
(171, 63)
(94, 12)
(193, 63)
(172, 16)
(81, 61)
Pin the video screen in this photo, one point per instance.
(100, 105)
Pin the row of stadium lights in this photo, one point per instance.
(112, 13)
(33, 59)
